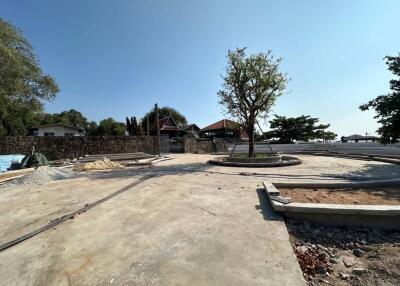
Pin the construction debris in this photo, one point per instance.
(104, 164)
(40, 176)
(340, 256)
(312, 260)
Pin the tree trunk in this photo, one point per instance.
(250, 132)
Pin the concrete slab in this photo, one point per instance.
(193, 224)
(183, 227)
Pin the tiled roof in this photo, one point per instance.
(224, 123)
(57, 124)
(185, 127)
(168, 123)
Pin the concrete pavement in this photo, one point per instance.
(178, 228)
(191, 224)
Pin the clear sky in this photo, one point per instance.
(113, 58)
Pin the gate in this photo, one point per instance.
(176, 145)
(164, 144)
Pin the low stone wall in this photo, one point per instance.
(192, 145)
(62, 147)
(204, 147)
(189, 145)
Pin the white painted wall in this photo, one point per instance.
(58, 131)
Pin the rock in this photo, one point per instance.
(358, 252)
(372, 255)
(359, 271)
(333, 260)
(344, 276)
(302, 249)
(320, 269)
(348, 261)
(322, 255)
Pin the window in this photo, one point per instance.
(48, 134)
(69, 134)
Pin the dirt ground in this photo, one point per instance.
(375, 196)
(191, 223)
(338, 256)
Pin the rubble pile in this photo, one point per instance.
(41, 176)
(312, 261)
(339, 256)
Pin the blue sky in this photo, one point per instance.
(117, 58)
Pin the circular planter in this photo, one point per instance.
(270, 161)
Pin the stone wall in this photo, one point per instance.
(203, 147)
(192, 145)
(63, 147)
(189, 144)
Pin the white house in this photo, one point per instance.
(58, 129)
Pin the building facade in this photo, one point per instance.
(359, 138)
(59, 130)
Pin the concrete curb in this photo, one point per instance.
(379, 216)
(289, 161)
(367, 157)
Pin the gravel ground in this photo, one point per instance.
(338, 256)
(41, 176)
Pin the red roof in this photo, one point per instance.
(224, 123)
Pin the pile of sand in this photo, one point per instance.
(104, 164)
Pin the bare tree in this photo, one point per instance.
(251, 86)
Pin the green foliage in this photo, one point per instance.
(302, 128)
(110, 127)
(251, 86)
(92, 129)
(387, 107)
(23, 86)
(132, 126)
(179, 118)
(70, 117)
(107, 127)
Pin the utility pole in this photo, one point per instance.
(158, 128)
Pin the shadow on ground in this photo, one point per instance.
(370, 172)
(265, 206)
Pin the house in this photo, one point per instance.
(355, 138)
(168, 126)
(190, 129)
(57, 129)
(224, 128)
